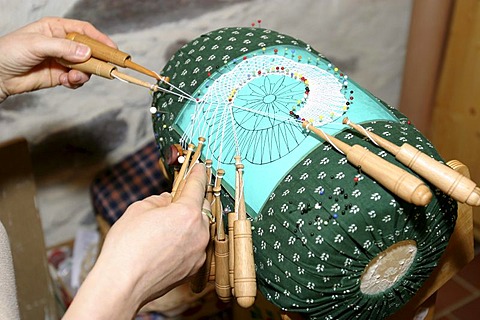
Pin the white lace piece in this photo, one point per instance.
(217, 112)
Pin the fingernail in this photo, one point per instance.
(82, 51)
(76, 77)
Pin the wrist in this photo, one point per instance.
(104, 295)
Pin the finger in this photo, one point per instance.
(76, 77)
(45, 47)
(59, 27)
(161, 200)
(152, 202)
(73, 79)
(194, 190)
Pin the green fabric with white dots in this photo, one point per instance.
(326, 220)
(320, 229)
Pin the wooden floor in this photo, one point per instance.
(459, 299)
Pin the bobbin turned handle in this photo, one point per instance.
(397, 180)
(179, 183)
(101, 50)
(92, 66)
(222, 283)
(199, 281)
(245, 277)
(232, 217)
(443, 177)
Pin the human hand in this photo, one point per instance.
(153, 247)
(28, 59)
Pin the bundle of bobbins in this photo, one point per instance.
(229, 259)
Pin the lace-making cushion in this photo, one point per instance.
(329, 241)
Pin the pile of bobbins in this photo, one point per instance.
(229, 259)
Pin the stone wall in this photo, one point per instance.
(75, 133)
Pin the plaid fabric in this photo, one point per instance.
(135, 177)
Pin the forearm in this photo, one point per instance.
(104, 295)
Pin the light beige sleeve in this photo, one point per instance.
(8, 291)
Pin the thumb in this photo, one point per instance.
(194, 189)
(62, 48)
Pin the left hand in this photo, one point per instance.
(28, 55)
(155, 245)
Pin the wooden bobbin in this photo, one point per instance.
(244, 266)
(179, 183)
(200, 280)
(232, 216)
(217, 211)
(222, 282)
(245, 277)
(442, 176)
(100, 50)
(209, 188)
(92, 66)
(198, 152)
(211, 274)
(398, 181)
(216, 203)
(107, 53)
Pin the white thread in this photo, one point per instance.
(368, 135)
(174, 93)
(326, 137)
(237, 148)
(118, 78)
(331, 143)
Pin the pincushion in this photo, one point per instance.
(329, 241)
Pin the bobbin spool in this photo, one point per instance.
(200, 280)
(398, 181)
(209, 197)
(209, 187)
(216, 205)
(180, 180)
(442, 176)
(104, 61)
(198, 152)
(187, 165)
(222, 282)
(245, 284)
(107, 71)
(113, 55)
(232, 217)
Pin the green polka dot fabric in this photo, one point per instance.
(321, 226)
